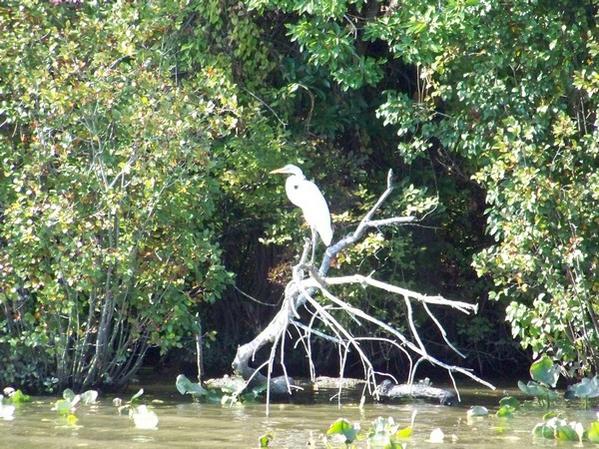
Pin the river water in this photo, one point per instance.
(184, 424)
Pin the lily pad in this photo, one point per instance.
(68, 394)
(186, 386)
(593, 432)
(542, 430)
(505, 411)
(477, 410)
(566, 433)
(537, 390)
(511, 401)
(343, 427)
(559, 429)
(544, 371)
(265, 440)
(7, 412)
(18, 397)
(136, 396)
(405, 433)
(436, 436)
(587, 388)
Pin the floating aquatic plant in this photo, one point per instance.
(558, 428)
(142, 416)
(344, 428)
(265, 440)
(15, 397)
(586, 389)
(545, 376)
(233, 391)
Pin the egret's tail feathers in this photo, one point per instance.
(327, 236)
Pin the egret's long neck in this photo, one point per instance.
(292, 188)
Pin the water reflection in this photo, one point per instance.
(184, 424)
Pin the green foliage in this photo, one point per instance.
(544, 371)
(510, 401)
(507, 407)
(265, 440)
(545, 375)
(69, 404)
(593, 432)
(232, 391)
(559, 429)
(106, 189)
(345, 428)
(586, 389)
(16, 396)
(135, 139)
(508, 101)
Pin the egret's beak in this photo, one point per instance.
(280, 171)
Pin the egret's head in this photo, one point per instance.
(289, 169)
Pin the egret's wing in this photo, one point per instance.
(316, 211)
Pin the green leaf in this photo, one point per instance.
(566, 433)
(587, 388)
(136, 396)
(405, 433)
(593, 432)
(71, 419)
(265, 440)
(505, 411)
(62, 406)
(511, 401)
(186, 386)
(537, 390)
(542, 430)
(343, 427)
(544, 371)
(19, 397)
(68, 394)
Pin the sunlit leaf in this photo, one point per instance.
(544, 371)
(404, 433)
(265, 440)
(593, 432)
(511, 401)
(186, 386)
(343, 427)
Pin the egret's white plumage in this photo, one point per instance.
(305, 195)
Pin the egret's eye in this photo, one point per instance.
(295, 186)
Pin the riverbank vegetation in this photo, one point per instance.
(137, 216)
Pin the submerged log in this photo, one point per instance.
(420, 390)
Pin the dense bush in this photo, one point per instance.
(106, 189)
(504, 94)
(135, 138)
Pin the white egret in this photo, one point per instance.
(305, 195)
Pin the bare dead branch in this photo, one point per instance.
(306, 281)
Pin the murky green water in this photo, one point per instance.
(184, 424)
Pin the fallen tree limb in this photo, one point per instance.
(307, 282)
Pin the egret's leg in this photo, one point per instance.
(313, 245)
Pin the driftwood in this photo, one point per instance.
(307, 281)
(420, 390)
(389, 391)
